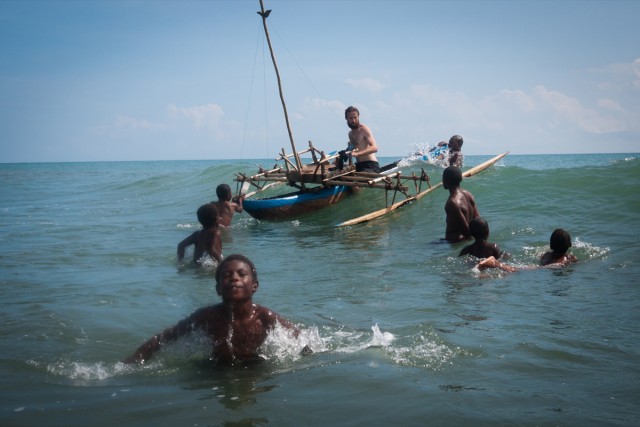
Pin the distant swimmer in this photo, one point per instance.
(481, 248)
(460, 206)
(207, 239)
(362, 141)
(236, 327)
(558, 256)
(455, 151)
(227, 205)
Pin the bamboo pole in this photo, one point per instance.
(264, 14)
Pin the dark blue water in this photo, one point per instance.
(403, 331)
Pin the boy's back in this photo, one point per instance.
(481, 249)
(226, 210)
(207, 240)
(226, 207)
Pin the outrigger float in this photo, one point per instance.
(327, 178)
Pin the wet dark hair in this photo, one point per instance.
(236, 257)
(453, 175)
(350, 109)
(479, 228)
(456, 138)
(560, 241)
(208, 215)
(223, 191)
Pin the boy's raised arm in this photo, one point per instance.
(191, 240)
(153, 344)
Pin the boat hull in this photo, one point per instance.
(291, 205)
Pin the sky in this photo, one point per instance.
(193, 80)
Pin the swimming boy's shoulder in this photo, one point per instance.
(553, 258)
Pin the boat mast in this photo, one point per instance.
(264, 14)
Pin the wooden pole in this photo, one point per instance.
(264, 14)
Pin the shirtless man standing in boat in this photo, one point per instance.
(460, 206)
(362, 141)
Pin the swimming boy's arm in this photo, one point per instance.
(552, 259)
(238, 204)
(492, 262)
(153, 344)
(191, 240)
(285, 323)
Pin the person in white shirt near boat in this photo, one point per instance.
(363, 143)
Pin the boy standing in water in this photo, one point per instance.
(479, 229)
(207, 240)
(226, 207)
(460, 206)
(236, 327)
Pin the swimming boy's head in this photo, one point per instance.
(455, 143)
(451, 177)
(244, 267)
(208, 215)
(223, 191)
(560, 241)
(479, 228)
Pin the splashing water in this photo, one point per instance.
(421, 153)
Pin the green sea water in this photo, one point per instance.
(404, 332)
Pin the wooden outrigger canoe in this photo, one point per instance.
(327, 179)
(377, 214)
(318, 184)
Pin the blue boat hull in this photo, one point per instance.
(290, 205)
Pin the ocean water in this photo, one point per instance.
(404, 332)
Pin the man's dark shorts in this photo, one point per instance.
(368, 166)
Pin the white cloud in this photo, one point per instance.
(321, 104)
(636, 71)
(540, 108)
(126, 122)
(572, 111)
(609, 104)
(208, 115)
(368, 84)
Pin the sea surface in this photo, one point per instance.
(404, 332)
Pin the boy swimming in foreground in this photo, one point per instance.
(558, 256)
(236, 327)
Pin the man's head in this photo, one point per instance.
(352, 115)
